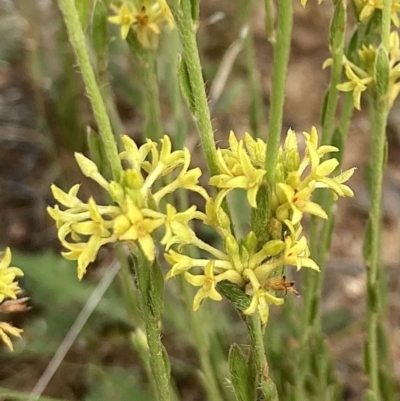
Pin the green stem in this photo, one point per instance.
(77, 39)
(318, 248)
(373, 235)
(181, 11)
(281, 59)
(127, 287)
(267, 386)
(377, 158)
(153, 126)
(256, 101)
(337, 41)
(148, 280)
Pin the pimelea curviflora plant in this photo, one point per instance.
(137, 211)
(282, 183)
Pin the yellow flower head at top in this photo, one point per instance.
(145, 17)
(9, 289)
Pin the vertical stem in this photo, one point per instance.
(153, 127)
(150, 298)
(254, 328)
(77, 39)
(181, 11)
(256, 101)
(281, 59)
(318, 248)
(377, 159)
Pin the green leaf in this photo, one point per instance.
(83, 7)
(382, 72)
(195, 8)
(99, 26)
(338, 26)
(243, 385)
(156, 288)
(186, 86)
(367, 245)
(95, 148)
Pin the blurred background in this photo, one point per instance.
(44, 115)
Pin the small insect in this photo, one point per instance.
(280, 284)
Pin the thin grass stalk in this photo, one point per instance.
(78, 42)
(379, 115)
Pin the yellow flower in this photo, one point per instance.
(8, 286)
(7, 330)
(371, 5)
(125, 18)
(298, 202)
(208, 282)
(146, 18)
(297, 253)
(261, 300)
(355, 84)
(177, 222)
(134, 225)
(237, 171)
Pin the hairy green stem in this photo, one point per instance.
(181, 11)
(281, 59)
(377, 158)
(153, 126)
(337, 42)
(255, 331)
(318, 248)
(256, 101)
(379, 112)
(148, 280)
(77, 39)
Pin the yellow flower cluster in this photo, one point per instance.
(240, 261)
(367, 8)
(145, 17)
(138, 211)
(361, 77)
(83, 227)
(9, 289)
